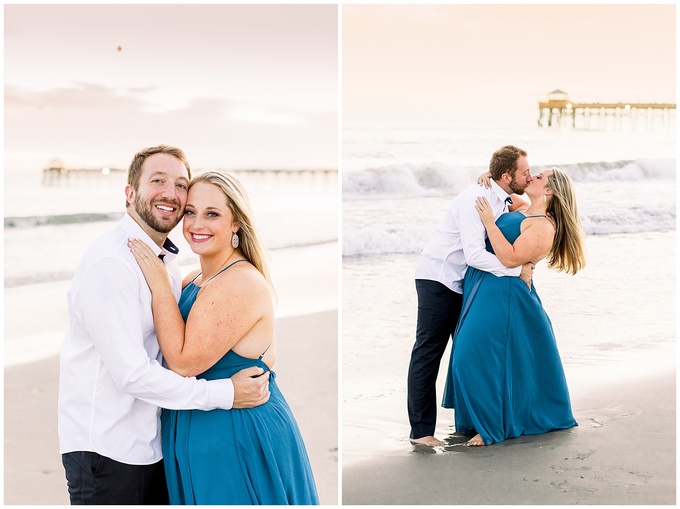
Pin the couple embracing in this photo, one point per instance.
(474, 284)
(226, 434)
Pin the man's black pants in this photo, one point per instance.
(94, 479)
(438, 312)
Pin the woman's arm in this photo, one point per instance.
(234, 307)
(532, 245)
(219, 318)
(167, 318)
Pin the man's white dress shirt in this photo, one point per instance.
(458, 242)
(112, 384)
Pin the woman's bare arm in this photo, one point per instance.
(219, 318)
(532, 245)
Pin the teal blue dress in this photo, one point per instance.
(253, 456)
(505, 376)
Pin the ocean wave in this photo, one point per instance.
(30, 275)
(61, 219)
(67, 236)
(439, 179)
(376, 241)
(635, 219)
(373, 241)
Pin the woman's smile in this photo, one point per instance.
(199, 237)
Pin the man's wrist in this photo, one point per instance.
(229, 395)
(220, 394)
(515, 271)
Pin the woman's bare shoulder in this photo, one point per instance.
(543, 226)
(242, 281)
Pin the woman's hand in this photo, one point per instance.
(152, 267)
(485, 180)
(485, 212)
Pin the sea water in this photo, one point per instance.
(614, 319)
(48, 227)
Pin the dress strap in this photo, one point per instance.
(265, 351)
(190, 282)
(539, 215)
(220, 272)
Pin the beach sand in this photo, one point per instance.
(622, 452)
(33, 470)
(615, 324)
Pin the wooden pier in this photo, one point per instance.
(559, 110)
(58, 175)
(271, 180)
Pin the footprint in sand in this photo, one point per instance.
(615, 413)
(566, 487)
(584, 455)
(620, 413)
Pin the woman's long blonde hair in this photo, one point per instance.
(568, 251)
(237, 199)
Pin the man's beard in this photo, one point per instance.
(516, 187)
(144, 210)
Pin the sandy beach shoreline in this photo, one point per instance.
(622, 452)
(33, 471)
(615, 325)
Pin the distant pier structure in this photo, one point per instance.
(559, 110)
(57, 174)
(257, 180)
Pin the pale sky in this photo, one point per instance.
(235, 86)
(493, 63)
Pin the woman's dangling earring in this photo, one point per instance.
(234, 241)
(545, 199)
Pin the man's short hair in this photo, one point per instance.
(135, 170)
(504, 160)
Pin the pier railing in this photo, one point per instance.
(634, 115)
(322, 180)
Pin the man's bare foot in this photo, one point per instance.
(431, 441)
(475, 441)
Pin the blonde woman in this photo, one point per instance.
(506, 378)
(224, 323)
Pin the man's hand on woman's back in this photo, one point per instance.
(527, 273)
(251, 387)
